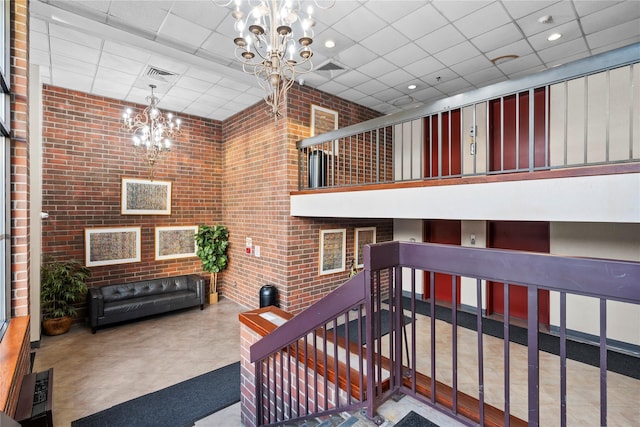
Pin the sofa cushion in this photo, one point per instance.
(140, 303)
(126, 291)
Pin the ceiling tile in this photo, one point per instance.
(615, 45)
(391, 11)
(353, 95)
(174, 27)
(349, 25)
(371, 86)
(126, 51)
(39, 57)
(422, 20)
(350, 78)
(485, 77)
(64, 63)
(497, 37)
(203, 13)
(454, 10)
(333, 87)
(115, 75)
(135, 14)
(405, 55)
(355, 56)
(396, 79)
(520, 64)
(482, 20)
(376, 68)
(77, 37)
(220, 45)
(627, 32)
(193, 84)
(453, 87)
(38, 25)
(518, 8)
(519, 48)
(560, 51)
(472, 65)
(389, 94)
(440, 39)
(611, 16)
(424, 66)
(570, 31)
(587, 7)
(560, 13)
(116, 62)
(71, 80)
(109, 88)
(457, 53)
(74, 50)
(385, 41)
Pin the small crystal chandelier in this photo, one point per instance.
(267, 47)
(153, 133)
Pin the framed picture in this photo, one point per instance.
(332, 250)
(145, 197)
(176, 242)
(106, 246)
(364, 236)
(324, 120)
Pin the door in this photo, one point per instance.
(523, 236)
(446, 232)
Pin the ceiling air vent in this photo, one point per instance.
(160, 75)
(330, 66)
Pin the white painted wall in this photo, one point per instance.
(608, 198)
(477, 230)
(597, 240)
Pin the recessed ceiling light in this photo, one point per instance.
(554, 37)
(330, 44)
(411, 87)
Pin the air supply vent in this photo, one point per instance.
(330, 66)
(160, 75)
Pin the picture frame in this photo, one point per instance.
(145, 197)
(324, 120)
(332, 250)
(176, 242)
(363, 236)
(108, 246)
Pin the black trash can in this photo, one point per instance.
(268, 296)
(317, 165)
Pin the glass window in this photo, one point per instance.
(5, 115)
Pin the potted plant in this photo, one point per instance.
(212, 244)
(62, 283)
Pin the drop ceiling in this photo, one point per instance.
(443, 47)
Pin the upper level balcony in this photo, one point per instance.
(561, 145)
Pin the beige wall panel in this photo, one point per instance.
(598, 240)
(620, 110)
(576, 121)
(597, 113)
(481, 140)
(397, 152)
(477, 230)
(416, 149)
(636, 111)
(468, 160)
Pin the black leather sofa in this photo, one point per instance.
(120, 302)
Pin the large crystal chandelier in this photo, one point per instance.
(267, 47)
(153, 132)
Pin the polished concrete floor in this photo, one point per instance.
(95, 372)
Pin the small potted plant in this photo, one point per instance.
(62, 283)
(212, 244)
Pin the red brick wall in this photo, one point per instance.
(85, 157)
(239, 173)
(19, 158)
(261, 169)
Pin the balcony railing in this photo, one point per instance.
(580, 114)
(371, 338)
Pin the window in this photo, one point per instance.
(5, 193)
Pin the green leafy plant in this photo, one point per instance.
(62, 283)
(212, 244)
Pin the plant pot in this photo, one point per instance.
(57, 326)
(213, 298)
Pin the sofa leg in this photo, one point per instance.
(201, 306)
(93, 330)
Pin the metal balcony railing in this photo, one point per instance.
(580, 114)
(369, 339)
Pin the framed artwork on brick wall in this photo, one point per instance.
(176, 242)
(107, 246)
(145, 197)
(324, 120)
(363, 236)
(332, 250)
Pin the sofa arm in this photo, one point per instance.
(96, 306)
(196, 283)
